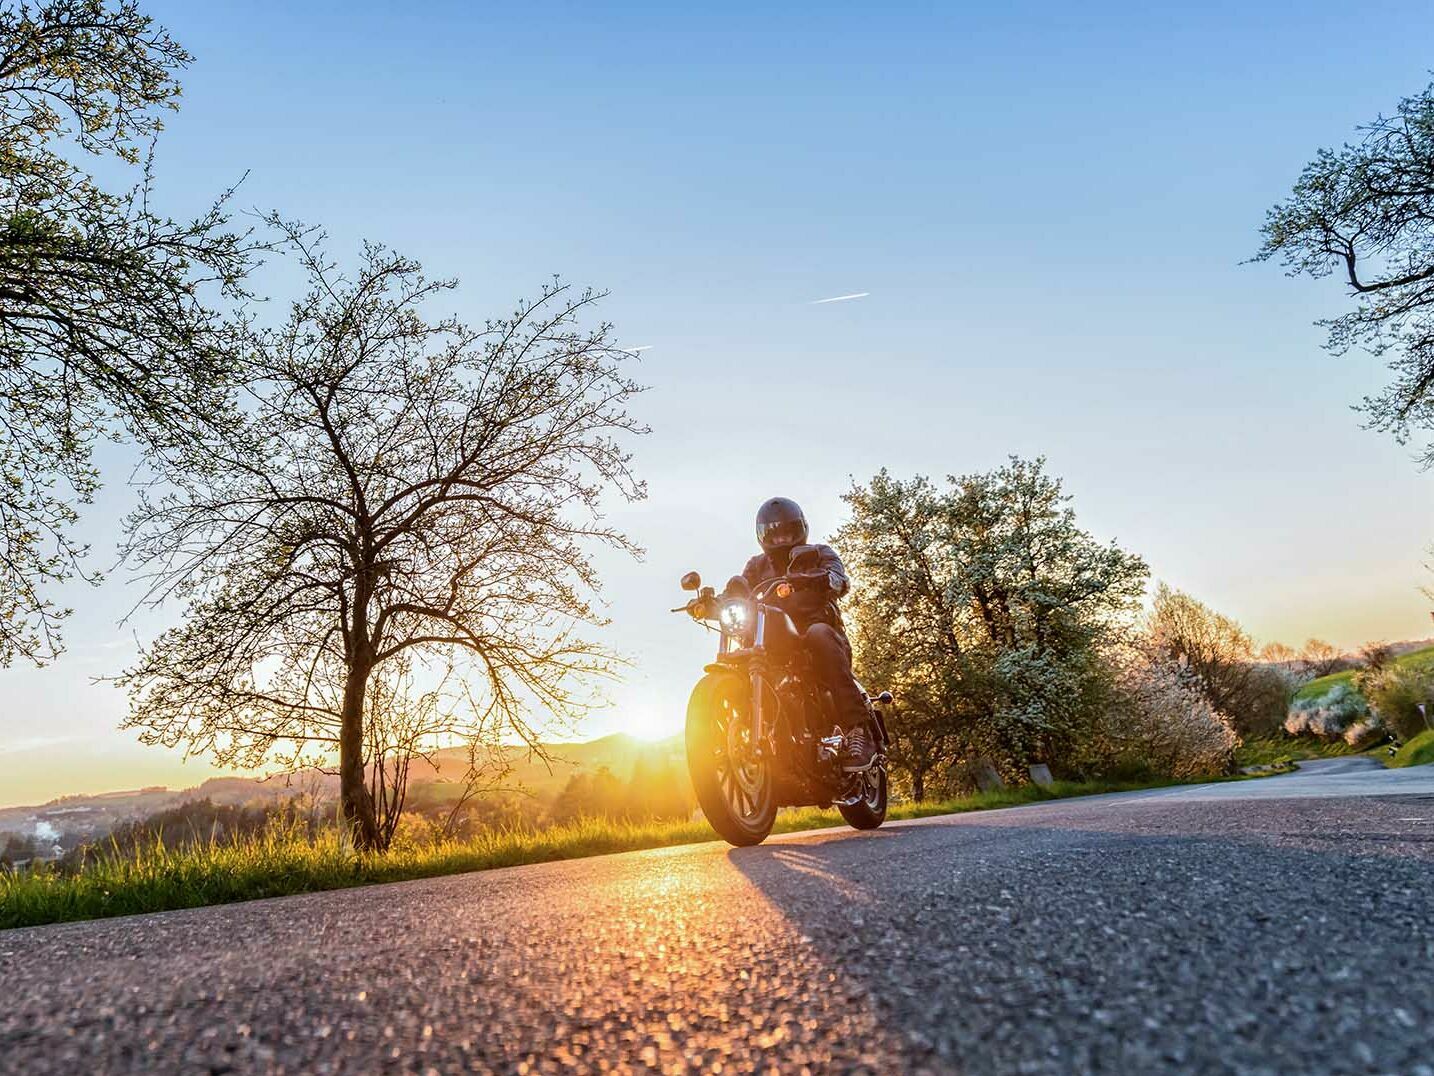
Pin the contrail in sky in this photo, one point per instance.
(636, 350)
(841, 298)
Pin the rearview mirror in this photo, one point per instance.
(884, 698)
(691, 581)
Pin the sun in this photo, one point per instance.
(651, 721)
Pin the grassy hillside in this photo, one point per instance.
(1315, 688)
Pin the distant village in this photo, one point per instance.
(50, 831)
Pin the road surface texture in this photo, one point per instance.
(1277, 926)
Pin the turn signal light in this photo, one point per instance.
(784, 590)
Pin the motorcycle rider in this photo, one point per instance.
(818, 582)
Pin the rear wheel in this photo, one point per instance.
(733, 784)
(869, 811)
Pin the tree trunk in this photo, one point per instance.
(353, 786)
(918, 785)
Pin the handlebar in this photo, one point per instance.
(793, 582)
(761, 592)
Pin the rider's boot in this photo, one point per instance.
(860, 750)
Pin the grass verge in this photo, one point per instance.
(1417, 752)
(278, 864)
(1288, 749)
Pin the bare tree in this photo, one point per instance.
(1277, 653)
(399, 491)
(1284, 660)
(1320, 658)
(406, 720)
(1365, 213)
(1375, 655)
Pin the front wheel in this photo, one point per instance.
(869, 811)
(733, 781)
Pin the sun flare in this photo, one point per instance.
(651, 722)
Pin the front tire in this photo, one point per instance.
(734, 787)
(869, 811)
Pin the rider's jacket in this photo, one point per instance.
(806, 605)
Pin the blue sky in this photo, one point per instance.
(1048, 204)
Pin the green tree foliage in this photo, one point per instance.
(104, 322)
(400, 491)
(1365, 212)
(1396, 692)
(922, 733)
(987, 605)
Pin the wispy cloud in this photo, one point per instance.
(841, 298)
(34, 743)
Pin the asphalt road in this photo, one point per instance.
(1284, 925)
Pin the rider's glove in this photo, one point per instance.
(814, 581)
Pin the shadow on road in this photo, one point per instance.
(1271, 937)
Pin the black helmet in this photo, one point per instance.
(780, 525)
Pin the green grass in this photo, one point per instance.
(277, 864)
(1315, 688)
(1417, 752)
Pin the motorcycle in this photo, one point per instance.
(755, 722)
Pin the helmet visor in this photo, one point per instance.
(782, 534)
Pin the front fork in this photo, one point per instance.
(759, 713)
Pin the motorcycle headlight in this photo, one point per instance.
(735, 616)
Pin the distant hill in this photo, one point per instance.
(90, 816)
(617, 752)
(1415, 654)
(1408, 646)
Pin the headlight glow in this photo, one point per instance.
(734, 616)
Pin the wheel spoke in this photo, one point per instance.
(741, 780)
(735, 796)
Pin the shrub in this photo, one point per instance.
(1264, 703)
(1364, 733)
(1220, 655)
(1375, 656)
(1161, 724)
(1327, 716)
(1396, 692)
